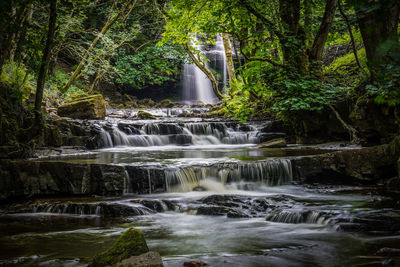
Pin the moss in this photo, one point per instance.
(85, 107)
(165, 103)
(146, 102)
(144, 115)
(121, 106)
(130, 243)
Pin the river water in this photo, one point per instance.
(223, 201)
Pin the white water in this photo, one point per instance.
(196, 85)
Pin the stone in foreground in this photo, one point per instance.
(149, 259)
(130, 243)
(275, 143)
(85, 107)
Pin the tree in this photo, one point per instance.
(45, 62)
(379, 21)
(112, 18)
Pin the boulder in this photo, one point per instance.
(166, 103)
(144, 115)
(149, 259)
(130, 243)
(85, 107)
(275, 143)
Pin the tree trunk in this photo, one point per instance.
(103, 31)
(45, 63)
(293, 42)
(353, 43)
(378, 21)
(229, 59)
(206, 71)
(315, 54)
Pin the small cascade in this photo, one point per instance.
(290, 216)
(99, 209)
(269, 173)
(146, 134)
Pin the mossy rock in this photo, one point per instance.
(166, 103)
(131, 104)
(85, 107)
(146, 102)
(130, 243)
(144, 115)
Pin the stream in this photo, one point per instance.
(200, 189)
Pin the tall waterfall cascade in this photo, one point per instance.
(196, 85)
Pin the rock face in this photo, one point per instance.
(369, 165)
(131, 243)
(29, 178)
(376, 124)
(86, 107)
(275, 143)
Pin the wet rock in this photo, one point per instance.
(29, 178)
(223, 200)
(144, 115)
(130, 243)
(149, 259)
(86, 107)
(275, 143)
(236, 213)
(165, 103)
(212, 210)
(155, 205)
(369, 165)
(273, 126)
(264, 137)
(388, 252)
(194, 263)
(183, 139)
(370, 221)
(128, 129)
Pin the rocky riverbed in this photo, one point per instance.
(199, 188)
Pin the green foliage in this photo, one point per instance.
(282, 91)
(154, 65)
(18, 79)
(344, 69)
(238, 104)
(56, 81)
(386, 87)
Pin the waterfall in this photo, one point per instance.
(196, 85)
(272, 172)
(146, 134)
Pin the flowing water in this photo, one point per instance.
(208, 193)
(196, 85)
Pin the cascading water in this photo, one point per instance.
(162, 134)
(196, 85)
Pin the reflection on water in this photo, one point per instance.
(180, 234)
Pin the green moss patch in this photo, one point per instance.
(130, 243)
